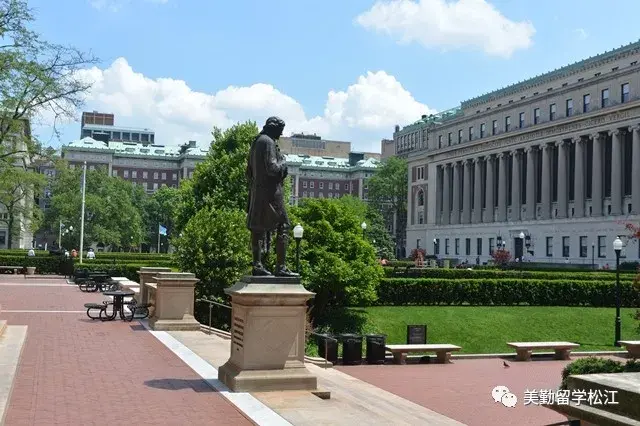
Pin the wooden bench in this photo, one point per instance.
(15, 269)
(443, 351)
(633, 347)
(524, 349)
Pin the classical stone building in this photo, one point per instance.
(555, 158)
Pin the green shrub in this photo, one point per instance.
(43, 264)
(499, 273)
(594, 365)
(509, 291)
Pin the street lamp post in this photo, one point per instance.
(593, 255)
(298, 231)
(363, 225)
(617, 247)
(435, 246)
(521, 251)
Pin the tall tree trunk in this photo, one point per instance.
(10, 231)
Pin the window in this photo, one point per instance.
(521, 120)
(312, 194)
(583, 246)
(331, 185)
(624, 93)
(92, 167)
(175, 176)
(494, 129)
(482, 130)
(507, 123)
(449, 138)
(155, 175)
(126, 136)
(420, 217)
(479, 246)
(459, 136)
(155, 186)
(446, 246)
(536, 116)
(552, 112)
(304, 194)
(337, 186)
(566, 248)
(569, 108)
(320, 185)
(114, 173)
(604, 98)
(304, 184)
(190, 174)
(312, 185)
(467, 248)
(457, 246)
(164, 176)
(321, 194)
(586, 101)
(144, 175)
(126, 173)
(491, 246)
(602, 251)
(471, 133)
(549, 246)
(144, 185)
(134, 174)
(436, 249)
(440, 141)
(420, 173)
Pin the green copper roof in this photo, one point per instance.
(434, 119)
(553, 75)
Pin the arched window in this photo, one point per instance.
(421, 198)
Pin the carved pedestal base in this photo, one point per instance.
(268, 336)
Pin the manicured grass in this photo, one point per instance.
(487, 329)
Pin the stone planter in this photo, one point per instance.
(31, 270)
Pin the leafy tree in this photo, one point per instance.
(37, 78)
(388, 194)
(501, 257)
(337, 262)
(18, 187)
(159, 208)
(214, 246)
(112, 216)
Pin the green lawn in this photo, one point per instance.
(487, 329)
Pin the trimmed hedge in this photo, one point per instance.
(43, 265)
(424, 291)
(499, 274)
(126, 256)
(595, 365)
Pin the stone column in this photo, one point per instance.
(437, 220)
(466, 192)
(516, 185)
(545, 196)
(446, 194)
(562, 179)
(635, 171)
(297, 188)
(579, 179)
(489, 188)
(616, 172)
(597, 173)
(502, 188)
(455, 209)
(174, 302)
(531, 184)
(146, 275)
(477, 191)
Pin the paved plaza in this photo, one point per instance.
(74, 371)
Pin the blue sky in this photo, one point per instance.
(169, 64)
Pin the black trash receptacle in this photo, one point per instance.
(351, 349)
(376, 351)
(328, 343)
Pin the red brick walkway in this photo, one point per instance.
(75, 371)
(462, 390)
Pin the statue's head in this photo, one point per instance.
(273, 127)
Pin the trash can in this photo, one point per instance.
(351, 349)
(376, 348)
(328, 343)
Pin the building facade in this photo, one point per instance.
(329, 177)
(554, 158)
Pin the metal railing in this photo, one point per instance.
(213, 303)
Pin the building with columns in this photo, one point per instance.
(550, 158)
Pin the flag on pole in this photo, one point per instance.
(162, 230)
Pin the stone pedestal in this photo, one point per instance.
(268, 336)
(146, 276)
(174, 302)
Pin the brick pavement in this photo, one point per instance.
(462, 390)
(75, 371)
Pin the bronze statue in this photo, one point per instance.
(266, 172)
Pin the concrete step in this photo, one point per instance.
(595, 416)
(626, 388)
(3, 326)
(11, 344)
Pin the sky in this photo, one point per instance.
(345, 70)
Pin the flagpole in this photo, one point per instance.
(158, 238)
(84, 191)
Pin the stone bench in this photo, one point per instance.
(524, 349)
(443, 351)
(633, 347)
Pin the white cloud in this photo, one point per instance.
(363, 113)
(581, 33)
(449, 25)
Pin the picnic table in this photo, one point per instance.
(118, 304)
